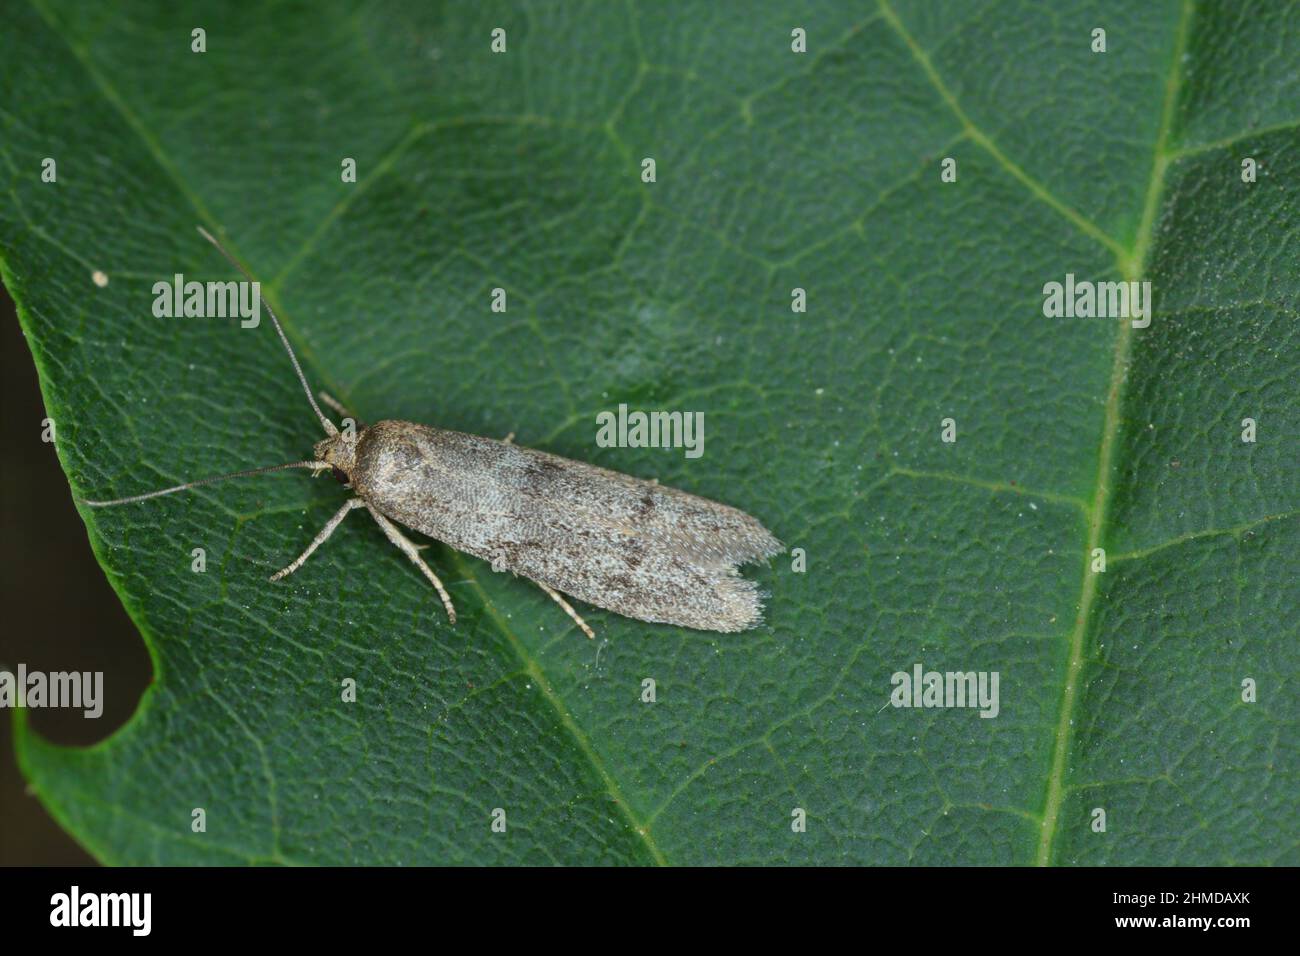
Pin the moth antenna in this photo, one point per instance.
(313, 465)
(329, 426)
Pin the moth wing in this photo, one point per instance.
(628, 545)
(640, 571)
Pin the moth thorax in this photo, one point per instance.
(338, 450)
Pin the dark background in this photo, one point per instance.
(57, 611)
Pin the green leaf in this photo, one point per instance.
(1119, 690)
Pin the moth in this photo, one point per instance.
(624, 544)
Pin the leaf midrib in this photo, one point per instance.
(1131, 264)
(1132, 268)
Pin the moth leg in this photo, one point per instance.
(412, 551)
(325, 532)
(509, 439)
(568, 609)
(339, 407)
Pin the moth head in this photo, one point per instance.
(340, 451)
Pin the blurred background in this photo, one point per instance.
(57, 611)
